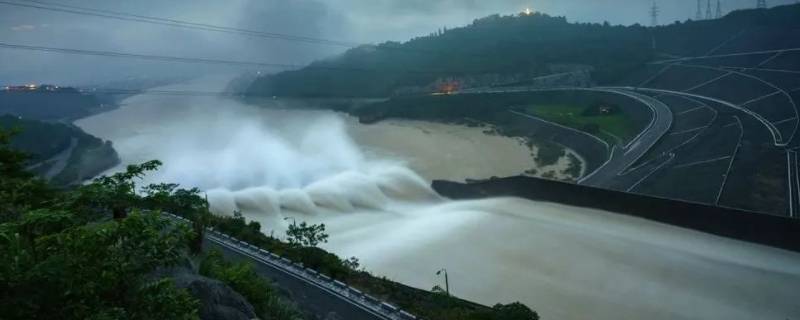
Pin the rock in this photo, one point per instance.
(218, 301)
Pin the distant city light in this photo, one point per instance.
(528, 11)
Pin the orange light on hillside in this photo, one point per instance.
(449, 87)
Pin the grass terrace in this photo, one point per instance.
(606, 122)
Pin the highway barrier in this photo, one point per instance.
(335, 287)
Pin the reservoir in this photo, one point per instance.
(369, 184)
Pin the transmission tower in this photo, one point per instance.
(654, 14)
(708, 11)
(699, 15)
(719, 9)
(761, 4)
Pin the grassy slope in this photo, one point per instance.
(618, 125)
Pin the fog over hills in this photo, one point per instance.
(358, 21)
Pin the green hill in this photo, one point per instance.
(514, 49)
(62, 153)
(48, 103)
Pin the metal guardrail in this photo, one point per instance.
(340, 289)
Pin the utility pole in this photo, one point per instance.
(708, 11)
(699, 15)
(761, 4)
(446, 281)
(654, 14)
(719, 9)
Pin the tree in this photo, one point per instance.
(514, 311)
(307, 235)
(19, 189)
(352, 263)
(242, 277)
(52, 263)
(119, 190)
(168, 197)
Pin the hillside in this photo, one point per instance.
(62, 153)
(499, 50)
(49, 103)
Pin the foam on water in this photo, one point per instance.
(566, 262)
(344, 192)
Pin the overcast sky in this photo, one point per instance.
(362, 21)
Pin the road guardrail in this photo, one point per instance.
(336, 287)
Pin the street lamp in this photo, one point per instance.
(446, 281)
(294, 222)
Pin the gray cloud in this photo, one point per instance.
(346, 20)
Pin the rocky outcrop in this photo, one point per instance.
(218, 301)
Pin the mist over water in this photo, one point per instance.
(565, 262)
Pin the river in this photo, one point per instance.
(370, 185)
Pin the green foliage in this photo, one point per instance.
(57, 258)
(514, 311)
(352, 263)
(306, 235)
(311, 257)
(53, 263)
(19, 190)
(243, 278)
(427, 305)
(118, 191)
(518, 45)
(60, 254)
(574, 168)
(87, 155)
(588, 118)
(525, 46)
(548, 153)
(41, 139)
(43, 104)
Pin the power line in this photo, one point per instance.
(112, 91)
(171, 22)
(115, 54)
(123, 16)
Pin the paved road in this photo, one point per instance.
(319, 300)
(777, 137)
(326, 298)
(624, 157)
(621, 157)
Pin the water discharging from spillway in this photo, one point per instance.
(363, 183)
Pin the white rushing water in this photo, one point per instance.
(362, 182)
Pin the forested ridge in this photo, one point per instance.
(504, 49)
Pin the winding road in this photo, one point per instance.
(325, 297)
(620, 157)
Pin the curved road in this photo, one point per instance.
(621, 157)
(324, 297)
